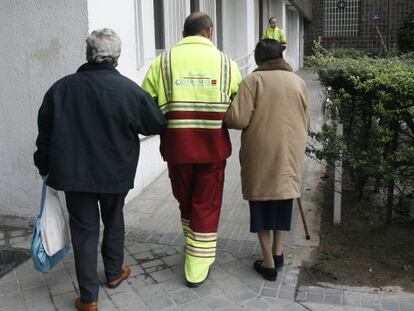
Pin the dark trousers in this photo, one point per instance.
(84, 227)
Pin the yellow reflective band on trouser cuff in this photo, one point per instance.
(199, 256)
(202, 237)
(197, 107)
(200, 252)
(190, 123)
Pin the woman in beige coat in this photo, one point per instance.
(271, 107)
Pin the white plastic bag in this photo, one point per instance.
(54, 229)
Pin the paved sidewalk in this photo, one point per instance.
(154, 251)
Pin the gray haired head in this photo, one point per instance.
(103, 46)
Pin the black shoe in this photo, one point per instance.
(269, 274)
(195, 285)
(279, 261)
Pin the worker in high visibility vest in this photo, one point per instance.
(193, 84)
(275, 33)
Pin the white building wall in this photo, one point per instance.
(209, 7)
(138, 51)
(42, 41)
(121, 18)
(239, 38)
(251, 26)
(277, 9)
(175, 13)
(301, 41)
(257, 22)
(293, 38)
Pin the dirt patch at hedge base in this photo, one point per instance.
(362, 251)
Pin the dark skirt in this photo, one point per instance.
(270, 215)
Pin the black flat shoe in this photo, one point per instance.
(269, 274)
(279, 261)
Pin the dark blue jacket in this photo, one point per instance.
(88, 130)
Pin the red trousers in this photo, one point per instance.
(198, 189)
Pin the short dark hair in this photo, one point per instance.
(196, 23)
(267, 49)
(272, 17)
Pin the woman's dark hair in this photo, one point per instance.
(267, 49)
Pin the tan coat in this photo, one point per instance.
(271, 107)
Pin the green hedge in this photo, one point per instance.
(374, 100)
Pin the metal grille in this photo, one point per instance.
(341, 18)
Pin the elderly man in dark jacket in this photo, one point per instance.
(88, 147)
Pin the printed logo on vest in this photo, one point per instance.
(195, 81)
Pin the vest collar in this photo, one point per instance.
(196, 40)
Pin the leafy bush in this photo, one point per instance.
(406, 34)
(374, 100)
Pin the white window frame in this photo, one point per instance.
(139, 35)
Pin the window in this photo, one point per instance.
(195, 5)
(159, 26)
(341, 18)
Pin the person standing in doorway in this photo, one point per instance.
(272, 109)
(193, 84)
(88, 147)
(275, 33)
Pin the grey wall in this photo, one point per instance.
(304, 7)
(41, 41)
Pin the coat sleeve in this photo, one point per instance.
(241, 109)
(45, 126)
(151, 120)
(305, 99)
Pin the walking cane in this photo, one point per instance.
(302, 215)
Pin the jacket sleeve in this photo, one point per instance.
(151, 120)
(153, 83)
(241, 109)
(282, 37)
(45, 126)
(235, 80)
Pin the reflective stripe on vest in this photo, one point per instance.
(194, 123)
(166, 75)
(183, 106)
(200, 107)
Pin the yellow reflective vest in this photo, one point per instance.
(193, 84)
(275, 34)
